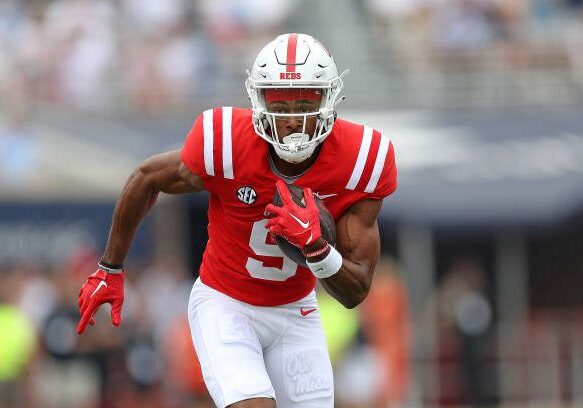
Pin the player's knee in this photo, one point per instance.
(254, 403)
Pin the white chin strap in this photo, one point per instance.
(294, 152)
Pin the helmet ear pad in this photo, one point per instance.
(330, 119)
(264, 121)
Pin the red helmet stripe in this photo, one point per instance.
(292, 44)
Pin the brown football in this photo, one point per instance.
(327, 224)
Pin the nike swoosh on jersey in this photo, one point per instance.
(305, 312)
(324, 196)
(303, 224)
(99, 286)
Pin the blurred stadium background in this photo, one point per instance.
(478, 298)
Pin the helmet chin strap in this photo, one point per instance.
(295, 154)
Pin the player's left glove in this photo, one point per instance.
(101, 287)
(298, 225)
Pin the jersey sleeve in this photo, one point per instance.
(387, 182)
(370, 162)
(208, 149)
(192, 152)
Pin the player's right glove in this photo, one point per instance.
(101, 287)
(300, 226)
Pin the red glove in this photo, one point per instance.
(298, 225)
(100, 288)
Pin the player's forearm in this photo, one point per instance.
(350, 285)
(136, 199)
(358, 241)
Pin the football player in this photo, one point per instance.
(253, 312)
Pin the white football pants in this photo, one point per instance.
(250, 351)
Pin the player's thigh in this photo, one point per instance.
(228, 348)
(299, 365)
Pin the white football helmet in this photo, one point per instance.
(296, 61)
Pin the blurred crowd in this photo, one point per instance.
(148, 362)
(146, 54)
(151, 56)
(480, 34)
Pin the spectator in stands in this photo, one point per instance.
(385, 324)
(17, 344)
(464, 319)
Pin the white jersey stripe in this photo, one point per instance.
(378, 165)
(207, 123)
(361, 160)
(227, 143)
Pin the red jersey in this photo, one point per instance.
(241, 259)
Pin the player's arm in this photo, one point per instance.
(358, 241)
(163, 172)
(160, 173)
(346, 270)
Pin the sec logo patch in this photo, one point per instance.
(246, 195)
